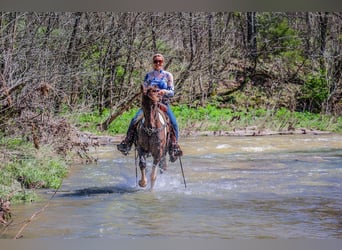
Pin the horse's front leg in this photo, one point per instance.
(154, 172)
(142, 165)
(153, 176)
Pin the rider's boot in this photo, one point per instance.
(125, 146)
(174, 149)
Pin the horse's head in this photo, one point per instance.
(152, 92)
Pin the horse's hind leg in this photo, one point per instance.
(142, 165)
(163, 165)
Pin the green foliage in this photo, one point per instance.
(315, 91)
(308, 120)
(275, 34)
(25, 171)
(120, 71)
(92, 118)
(277, 40)
(42, 172)
(32, 173)
(163, 47)
(12, 143)
(89, 121)
(212, 118)
(120, 125)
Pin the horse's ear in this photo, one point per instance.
(142, 89)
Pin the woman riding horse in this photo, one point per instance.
(164, 81)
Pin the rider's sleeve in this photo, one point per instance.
(170, 88)
(146, 80)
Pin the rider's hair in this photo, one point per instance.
(158, 55)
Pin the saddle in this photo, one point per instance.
(162, 107)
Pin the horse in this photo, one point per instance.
(153, 134)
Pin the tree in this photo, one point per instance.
(252, 37)
(97, 60)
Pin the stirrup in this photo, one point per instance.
(178, 152)
(175, 152)
(124, 148)
(173, 158)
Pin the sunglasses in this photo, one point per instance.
(157, 61)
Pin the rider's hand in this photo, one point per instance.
(162, 92)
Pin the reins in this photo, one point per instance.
(151, 131)
(136, 166)
(181, 165)
(154, 130)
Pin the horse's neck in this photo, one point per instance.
(151, 115)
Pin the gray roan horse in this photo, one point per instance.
(153, 134)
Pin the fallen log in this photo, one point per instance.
(122, 108)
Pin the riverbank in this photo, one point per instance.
(103, 140)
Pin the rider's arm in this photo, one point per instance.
(170, 87)
(146, 80)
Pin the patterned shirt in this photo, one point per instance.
(163, 79)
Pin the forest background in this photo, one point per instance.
(67, 72)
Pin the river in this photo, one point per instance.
(261, 187)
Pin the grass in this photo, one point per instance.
(27, 169)
(89, 121)
(212, 118)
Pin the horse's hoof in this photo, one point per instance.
(142, 183)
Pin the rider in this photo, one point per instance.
(164, 80)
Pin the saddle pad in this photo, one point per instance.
(163, 122)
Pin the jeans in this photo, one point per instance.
(169, 113)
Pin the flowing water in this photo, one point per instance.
(236, 187)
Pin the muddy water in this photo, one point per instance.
(237, 187)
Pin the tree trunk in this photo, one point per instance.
(251, 37)
(122, 108)
(210, 51)
(323, 23)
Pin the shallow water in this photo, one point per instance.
(237, 188)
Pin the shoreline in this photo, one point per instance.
(103, 140)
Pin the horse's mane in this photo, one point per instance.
(150, 94)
